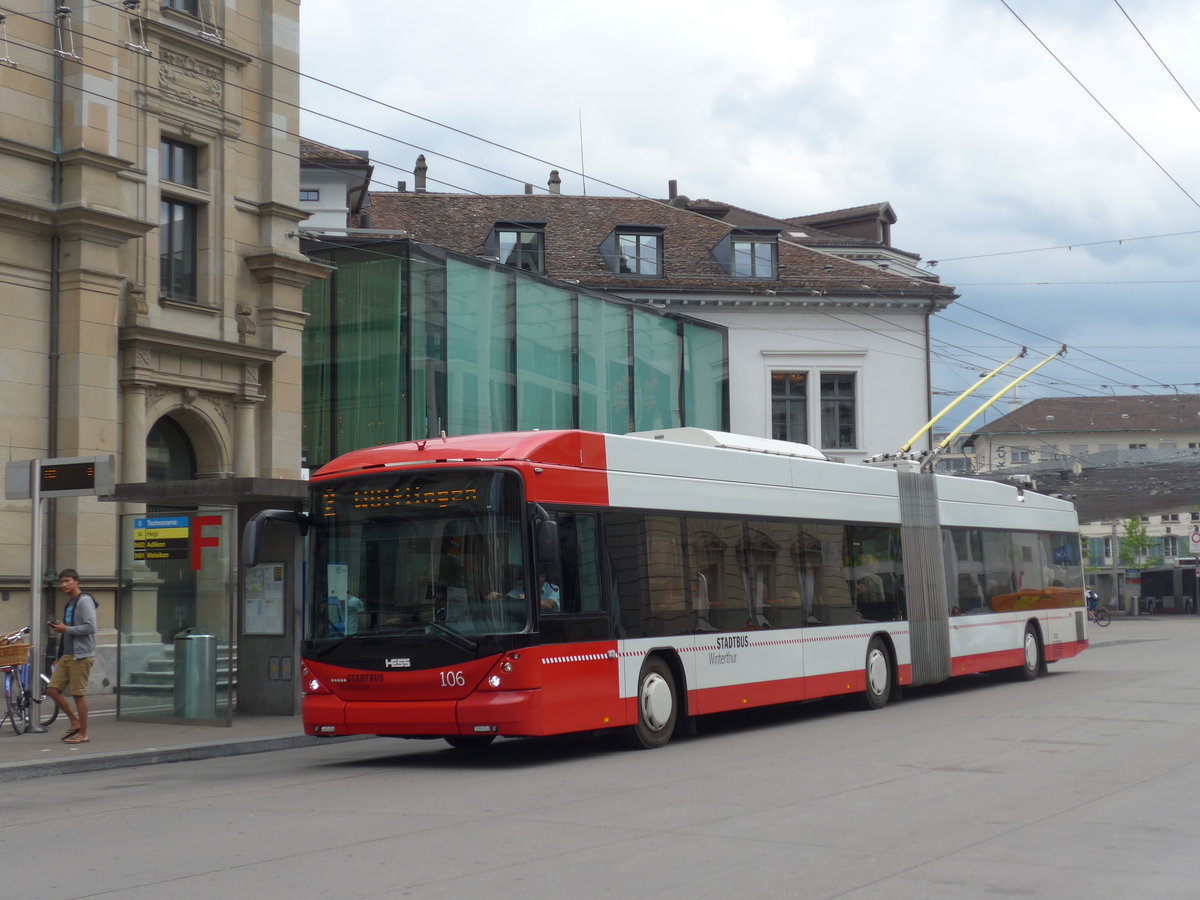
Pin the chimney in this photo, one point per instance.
(402, 186)
(529, 188)
(555, 182)
(672, 189)
(419, 171)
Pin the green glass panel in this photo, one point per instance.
(480, 377)
(656, 352)
(604, 373)
(317, 410)
(545, 356)
(427, 345)
(369, 369)
(705, 377)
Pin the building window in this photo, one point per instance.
(178, 163)
(1170, 545)
(1108, 549)
(191, 7)
(839, 417)
(179, 218)
(753, 258)
(789, 406)
(177, 249)
(309, 196)
(1137, 446)
(639, 253)
(521, 248)
(1021, 455)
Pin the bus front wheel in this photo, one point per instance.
(470, 743)
(657, 705)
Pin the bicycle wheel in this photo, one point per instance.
(49, 707)
(1103, 618)
(14, 694)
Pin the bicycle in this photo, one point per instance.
(19, 704)
(1100, 616)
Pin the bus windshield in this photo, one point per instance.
(415, 552)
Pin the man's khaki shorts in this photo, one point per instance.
(71, 675)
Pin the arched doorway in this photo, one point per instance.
(177, 613)
(169, 453)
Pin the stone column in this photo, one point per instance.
(133, 449)
(245, 437)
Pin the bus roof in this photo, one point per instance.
(705, 437)
(584, 449)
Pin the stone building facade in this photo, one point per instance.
(152, 279)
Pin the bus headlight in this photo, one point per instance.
(494, 680)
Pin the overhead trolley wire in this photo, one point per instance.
(913, 282)
(1105, 109)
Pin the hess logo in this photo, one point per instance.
(397, 663)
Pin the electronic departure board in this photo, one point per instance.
(78, 476)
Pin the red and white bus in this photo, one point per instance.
(538, 583)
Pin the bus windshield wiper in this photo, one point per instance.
(455, 638)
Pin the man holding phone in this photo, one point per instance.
(76, 652)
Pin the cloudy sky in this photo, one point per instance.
(1043, 152)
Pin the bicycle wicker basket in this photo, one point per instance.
(14, 654)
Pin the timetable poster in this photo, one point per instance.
(163, 537)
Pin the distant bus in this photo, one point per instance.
(538, 583)
(1169, 589)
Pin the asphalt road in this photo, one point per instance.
(1084, 783)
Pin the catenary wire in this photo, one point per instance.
(1105, 109)
(601, 181)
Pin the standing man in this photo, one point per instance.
(76, 652)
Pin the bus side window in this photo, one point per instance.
(578, 578)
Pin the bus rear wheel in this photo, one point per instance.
(879, 675)
(657, 705)
(1031, 667)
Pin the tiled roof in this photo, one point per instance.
(313, 152)
(1159, 412)
(789, 228)
(852, 212)
(576, 226)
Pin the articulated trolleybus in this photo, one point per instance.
(538, 583)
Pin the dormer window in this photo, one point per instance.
(634, 250)
(750, 253)
(521, 245)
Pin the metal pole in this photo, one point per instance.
(1116, 588)
(35, 598)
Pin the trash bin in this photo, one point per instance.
(195, 675)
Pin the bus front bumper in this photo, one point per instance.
(498, 712)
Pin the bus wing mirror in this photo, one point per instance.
(545, 535)
(252, 533)
(547, 541)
